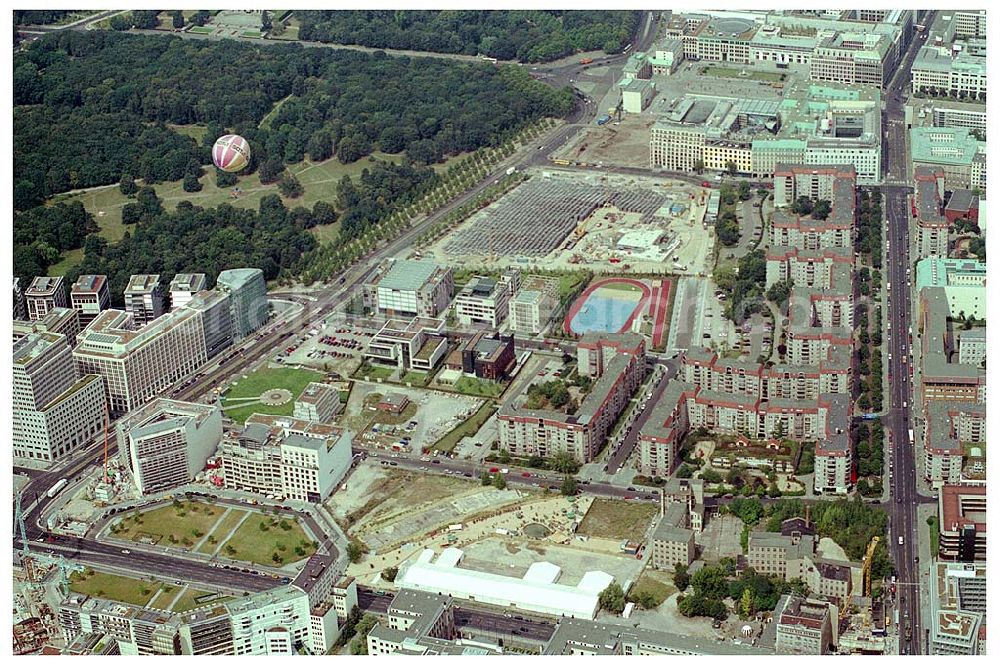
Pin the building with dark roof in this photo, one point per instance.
(485, 356)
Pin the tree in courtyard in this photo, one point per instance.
(681, 577)
(177, 19)
(354, 551)
(499, 482)
(612, 599)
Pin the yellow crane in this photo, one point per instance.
(866, 566)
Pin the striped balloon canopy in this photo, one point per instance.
(231, 153)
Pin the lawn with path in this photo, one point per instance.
(186, 522)
(254, 544)
(617, 519)
(223, 527)
(241, 394)
(116, 588)
(467, 428)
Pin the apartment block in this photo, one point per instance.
(941, 379)
(90, 296)
(956, 151)
(166, 443)
(617, 361)
(184, 286)
(926, 209)
(409, 288)
(775, 554)
(972, 346)
(963, 281)
(20, 307)
(55, 411)
(137, 365)
(63, 321)
(534, 305)
(145, 299)
(673, 539)
(43, 294)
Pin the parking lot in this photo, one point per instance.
(332, 346)
(698, 319)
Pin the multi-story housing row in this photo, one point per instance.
(616, 362)
(409, 288)
(949, 428)
(284, 457)
(184, 286)
(64, 321)
(166, 443)
(274, 622)
(941, 379)
(145, 299)
(926, 208)
(485, 300)
(816, 125)
(55, 410)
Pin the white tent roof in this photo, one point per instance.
(531, 593)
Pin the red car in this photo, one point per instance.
(526, 475)
(705, 183)
(494, 470)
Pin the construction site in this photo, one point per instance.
(565, 219)
(622, 143)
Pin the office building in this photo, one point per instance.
(317, 402)
(617, 364)
(921, 112)
(667, 56)
(673, 538)
(636, 94)
(215, 313)
(409, 288)
(184, 286)
(20, 307)
(962, 521)
(859, 58)
(954, 150)
(90, 296)
(485, 300)
(166, 443)
(577, 636)
(534, 305)
(64, 321)
(963, 282)
(137, 365)
(805, 626)
(926, 204)
(414, 344)
(953, 72)
(286, 458)
(418, 623)
(55, 411)
(145, 299)
(489, 357)
(43, 294)
(247, 299)
(972, 346)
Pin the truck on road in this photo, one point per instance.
(59, 485)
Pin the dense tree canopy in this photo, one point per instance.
(41, 16)
(527, 36)
(193, 239)
(90, 106)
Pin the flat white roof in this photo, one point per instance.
(536, 592)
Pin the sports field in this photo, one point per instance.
(244, 398)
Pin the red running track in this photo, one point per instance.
(639, 307)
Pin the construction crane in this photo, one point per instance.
(866, 566)
(27, 555)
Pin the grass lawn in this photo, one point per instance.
(932, 522)
(479, 387)
(70, 258)
(166, 597)
(567, 283)
(374, 371)
(617, 519)
(468, 427)
(262, 380)
(189, 600)
(195, 131)
(731, 73)
(416, 378)
(620, 286)
(179, 522)
(109, 586)
(656, 589)
(201, 30)
(253, 544)
(222, 530)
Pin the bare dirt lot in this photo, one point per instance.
(626, 144)
(617, 519)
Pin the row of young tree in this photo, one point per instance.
(92, 105)
(526, 36)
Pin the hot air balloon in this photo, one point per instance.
(231, 153)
